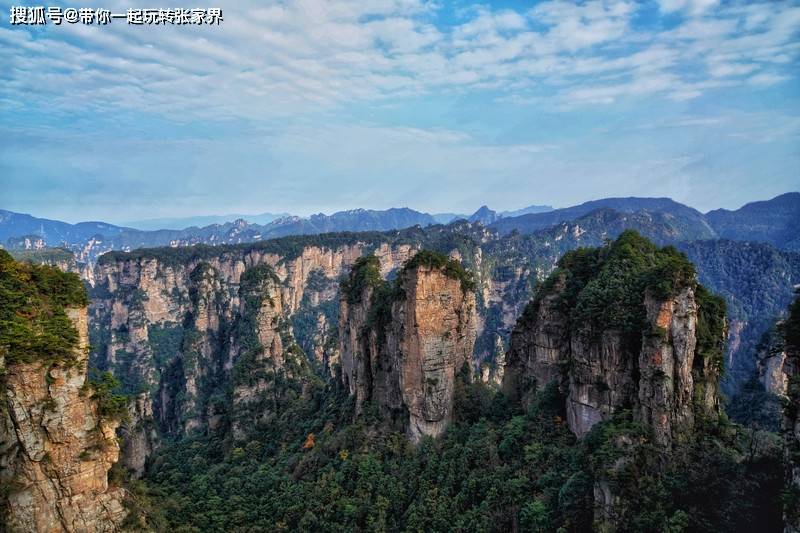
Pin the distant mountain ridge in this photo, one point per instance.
(178, 223)
(19, 224)
(533, 221)
(775, 221)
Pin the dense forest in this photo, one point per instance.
(497, 469)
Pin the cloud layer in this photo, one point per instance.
(316, 105)
(293, 57)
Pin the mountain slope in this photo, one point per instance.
(776, 221)
(313, 462)
(88, 240)
(178, 223)
(689, 218)
(53, 231)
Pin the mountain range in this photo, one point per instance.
(776, 221)
(152, 224)
(257, 337)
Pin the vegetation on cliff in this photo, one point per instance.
(46, 255)
(604, 289)
(451, 267)
(289, 248)
(498, 467)
(756, 281)
(365, 273)
(791, 336)
(33, 322)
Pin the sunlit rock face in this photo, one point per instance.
(55, 450)
(436, 336)
(404, 352)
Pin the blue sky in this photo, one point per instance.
(315, 106)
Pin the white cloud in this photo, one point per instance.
(695, 7)
(303, 56)
(766, 79)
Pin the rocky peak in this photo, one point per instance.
(57, 440)
(623, 327)
(258, 355)
(484, 215)
(403, 343)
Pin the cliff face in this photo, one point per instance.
(771, 361)
(257, 355)
(790, 426)
(176, 332)
(622, 330)
(403, 345)
(56, 450)
(613, 337)
(437, 327)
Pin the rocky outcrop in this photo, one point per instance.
(622, 330)
(790, 426)
(610, 348)
(139, 435)
(56, 450)
(770, 361)
(436, 333)
(257, 356)
(165, 326)
(403, 344)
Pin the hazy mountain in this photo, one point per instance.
(446, 218)
(201, 221)
(484, 215)
(775, 221)
(54, 231)
(533, 221)
(527, 210)
(90, 239)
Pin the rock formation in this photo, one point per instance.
(56, 450)
(770, 361)
(622, 329)
(257, 354)
(403, 344)
(791, 418)
(617, 328)
(171, 328)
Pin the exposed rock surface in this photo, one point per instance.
(791, 418)
(771, 361)
(436, 332)
(139, 435)
(167, 329)
(622, 329)
(656, 373)
(55, 450)
(257, 350)
(402, 346)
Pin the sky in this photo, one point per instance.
(317, 106)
